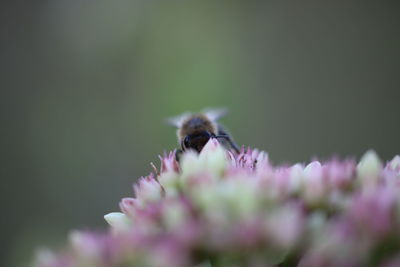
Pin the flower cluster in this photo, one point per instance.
(221, 209)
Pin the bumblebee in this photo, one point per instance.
(194, 130)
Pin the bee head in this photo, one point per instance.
(195, 132)
(196, 141)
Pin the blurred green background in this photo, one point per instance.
(86, 86)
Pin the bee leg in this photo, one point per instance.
(232, 144)
(222, 133)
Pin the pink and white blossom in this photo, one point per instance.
(217, 208)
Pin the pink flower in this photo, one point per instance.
(169, 163)
(220, 208)
(392, 172)
(148, 190)
(339, 174)
(373, 210)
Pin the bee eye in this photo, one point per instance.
(186, 142)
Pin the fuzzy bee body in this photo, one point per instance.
(194, 130)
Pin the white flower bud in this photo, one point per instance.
(117, 220)
(148, 191)
(395, 162)
(213, 157)
(369, 168)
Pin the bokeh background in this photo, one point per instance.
(86, 86)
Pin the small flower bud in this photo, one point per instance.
(369, 168)
(117, 220)
(148, 190)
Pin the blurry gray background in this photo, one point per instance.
(86, 85)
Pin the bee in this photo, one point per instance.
(194, 130)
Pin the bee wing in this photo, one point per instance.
(215, 113)
(177, 121)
